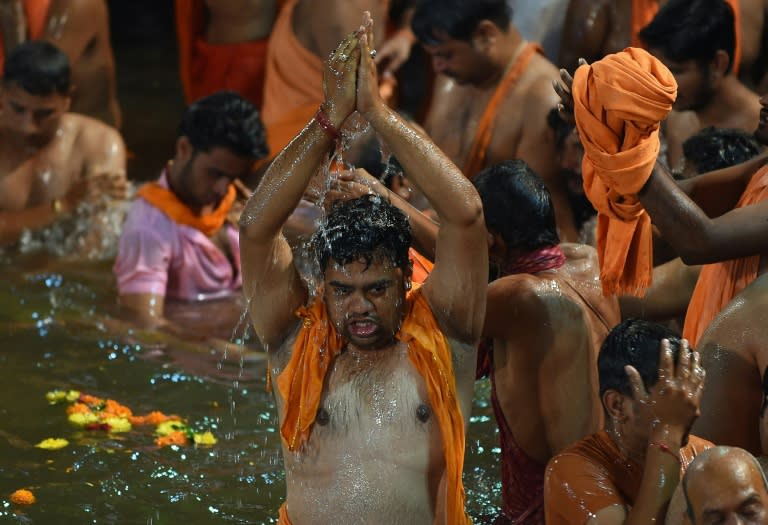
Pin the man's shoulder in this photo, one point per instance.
(92, 132)
(143, 218)
(591, 453)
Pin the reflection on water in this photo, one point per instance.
(53, 336)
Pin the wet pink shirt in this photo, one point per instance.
(158, 256)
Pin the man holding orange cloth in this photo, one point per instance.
(374, 376)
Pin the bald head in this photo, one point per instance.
(726, 485)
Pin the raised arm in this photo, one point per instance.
(271, 283)
(587, 24)
(456, 287)
(74, 24)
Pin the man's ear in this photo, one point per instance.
(485, 35)
(184, 149)
(614, 403)
(719, 65)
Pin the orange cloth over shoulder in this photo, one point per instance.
(167, 201)
(643, 12)
(207, 68)
(477, 154)
(36, 12)
(619, 102)
(421, 266)
(719, 283)
(317, 345)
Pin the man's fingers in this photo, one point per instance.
(665, 360)
(636, 383)
(683, 369)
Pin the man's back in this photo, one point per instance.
(81, 29)
(547, 329)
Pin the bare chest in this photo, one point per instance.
(33, 179)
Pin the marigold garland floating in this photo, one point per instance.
(52, 443)
(22, 497)
(93, 413)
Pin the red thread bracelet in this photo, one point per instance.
(321, 117)
(665, 448)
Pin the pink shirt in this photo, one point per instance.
(158, 256)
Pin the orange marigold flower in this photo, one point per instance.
(137, 421)
(23, 497)
(78, 408)
(174, 438)
(156, 417)
(113, 407)
(90, 400)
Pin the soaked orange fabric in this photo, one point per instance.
(317, 345)
(421, 266)
(619, 102)
(719, 283)
(643, 12)
(167, 201)
(36, 12)
(477, 154)
(207, 68)
(592, 474)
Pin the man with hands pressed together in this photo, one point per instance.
(373, 377)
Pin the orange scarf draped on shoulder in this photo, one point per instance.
(477, 153)
(317, 345)
(619, 102)
(167, 201)
(643, 12)
(719, 283)
(36, 12)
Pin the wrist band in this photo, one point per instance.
(321, 117)
(56, 206)
(666, 449)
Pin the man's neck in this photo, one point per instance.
(511, 45)
(631, 449)
(726, 102)
(173, 174)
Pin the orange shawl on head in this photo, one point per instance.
(618, 103)
(36, 12)
(318, 344)
(476, 158)
(643, 12)
(167, 201)
(719, 283)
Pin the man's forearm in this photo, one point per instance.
(283, 185)
(14, 223)
(438, 178)
(660, 477)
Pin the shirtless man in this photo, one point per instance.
(595, 28)
(366, 438)
(51, 160)
(80, 28)
(223, 45)
(492, 94)
(695, 40)
(555, 288)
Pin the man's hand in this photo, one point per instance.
(368, 96)
(339, 78)
(675, 399)
(92, 189)
(564, 91)
(353, 184)
(394, 52)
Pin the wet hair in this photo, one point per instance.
(716, 148)
(363, 229)
(702, 457)
(225, 120)
(457, 19)
(517, 205)
(637, 343)
(39, 68)
(692, 30)
(559, 127)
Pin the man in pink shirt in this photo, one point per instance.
(177, 241)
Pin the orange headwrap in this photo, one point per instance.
(618, 103)
(719, 283)
(643, 12)
(317, 345)
(169, 203)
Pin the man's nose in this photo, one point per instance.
(359, 304)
